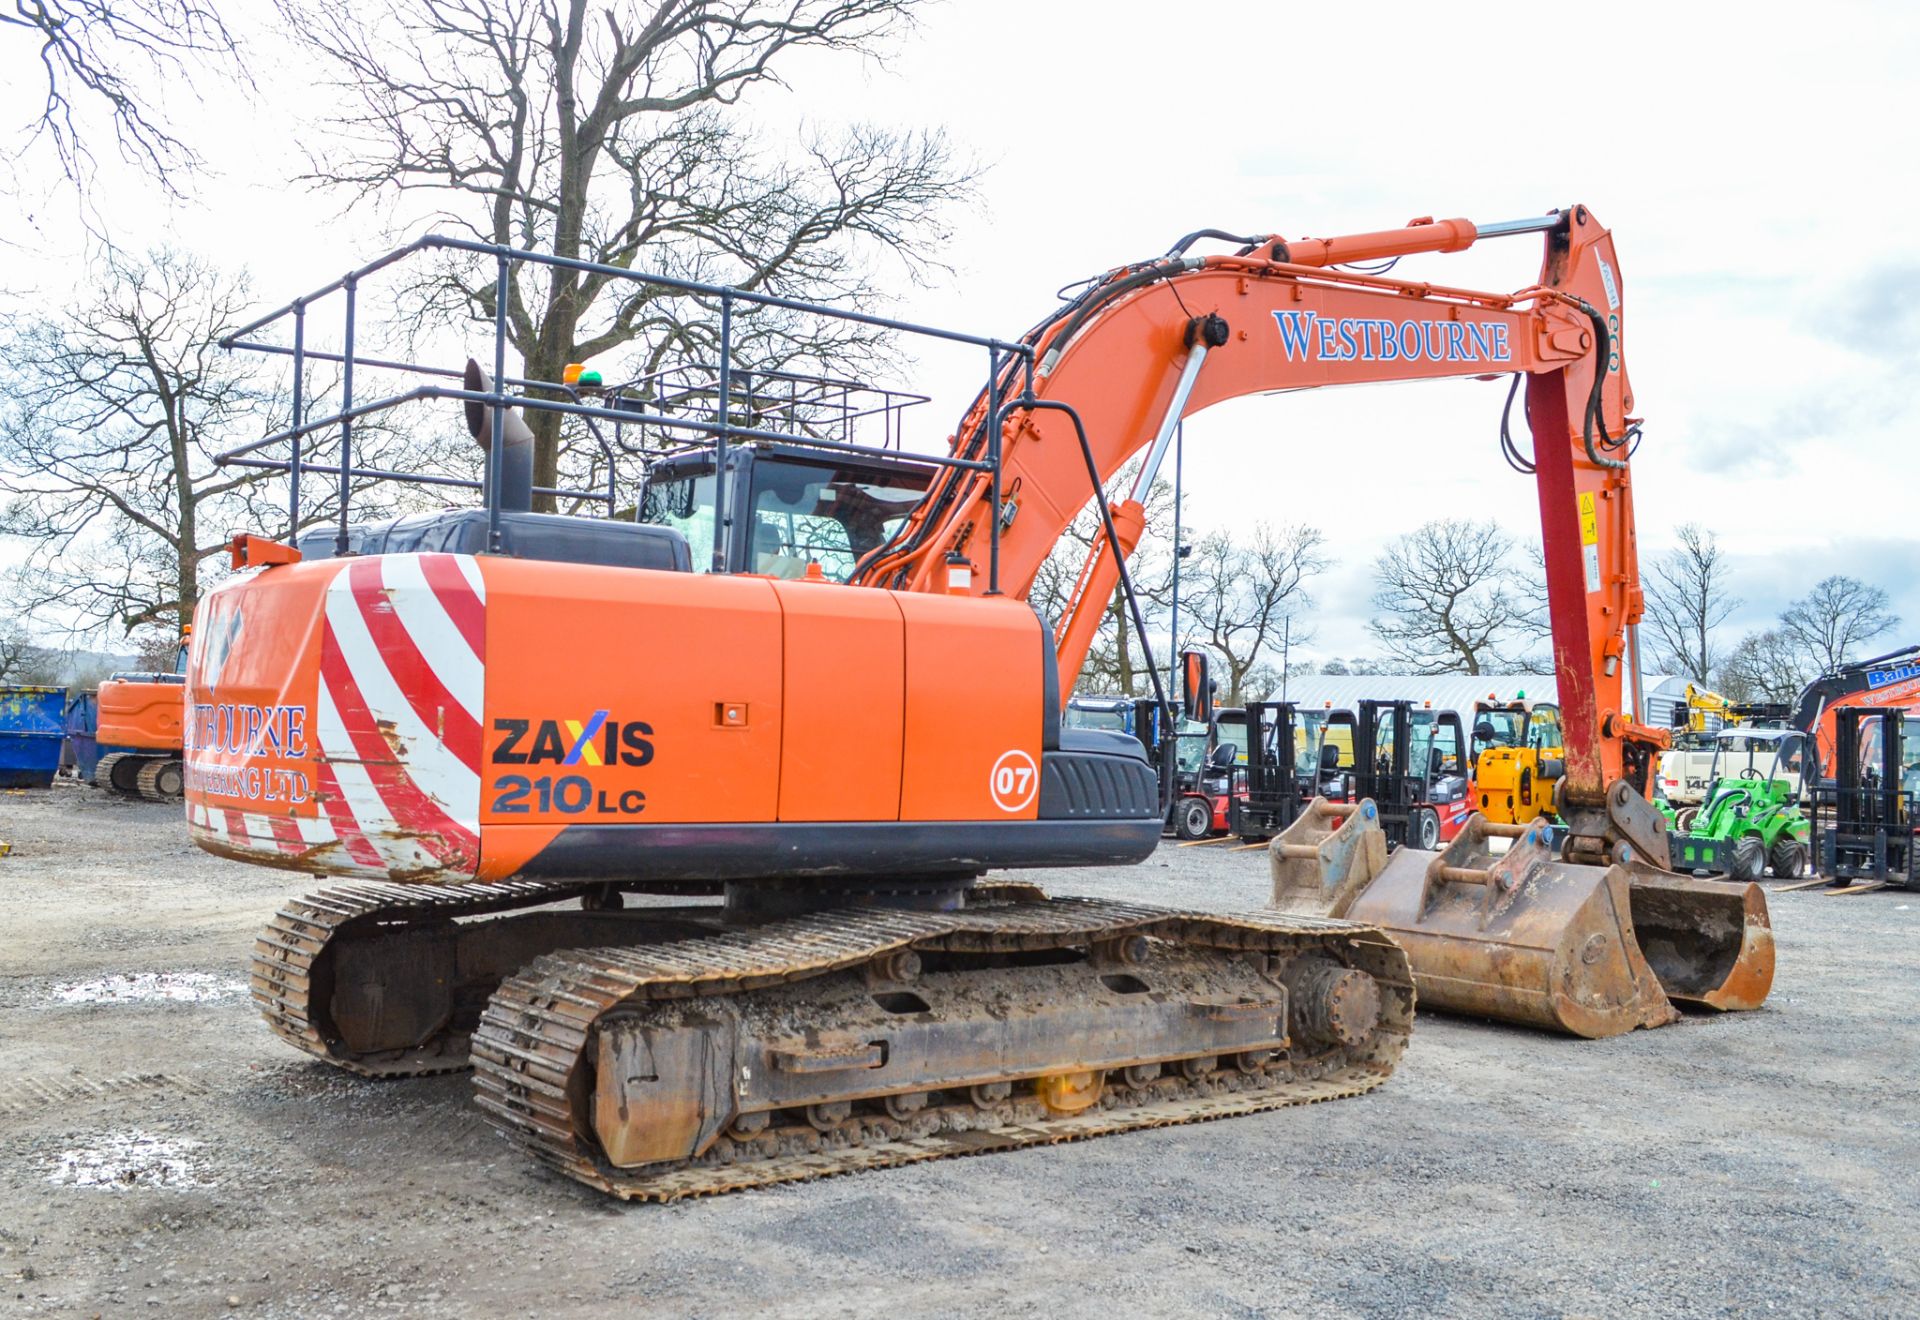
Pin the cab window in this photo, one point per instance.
(1306, 743)
(823, 513)
(1496, 728)
(684, 503)
(1543, 731)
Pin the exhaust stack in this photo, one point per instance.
(515, 478)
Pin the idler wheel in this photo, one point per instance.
(1332, 1005)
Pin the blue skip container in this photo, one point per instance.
(33, 724)
(83, 714)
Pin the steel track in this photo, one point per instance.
(531, 1048)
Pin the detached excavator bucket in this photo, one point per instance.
(1330, 853)
(1519, 936)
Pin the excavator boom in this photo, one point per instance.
(1109, 376)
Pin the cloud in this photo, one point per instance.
(1877, 314)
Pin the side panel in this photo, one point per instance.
(843, 703)
(626, 696)
(973, 715)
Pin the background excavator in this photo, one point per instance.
(139, 731)
(477, 715)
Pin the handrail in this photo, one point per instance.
(811, 403)
(500, 251)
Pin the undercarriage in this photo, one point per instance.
(688, 1048)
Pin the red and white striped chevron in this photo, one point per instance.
(396, 739)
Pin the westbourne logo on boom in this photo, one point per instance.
(1310, 337)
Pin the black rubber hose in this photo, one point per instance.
(1126, 586)
(1508, 449)
(1243, 240)
(1596, 411)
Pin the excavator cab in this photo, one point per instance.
(790, 509)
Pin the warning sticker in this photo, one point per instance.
(1593, 568)
(1589, 521)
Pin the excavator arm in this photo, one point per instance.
(1111, 374)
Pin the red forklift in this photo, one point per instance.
(1288, 764)
(1209, 780)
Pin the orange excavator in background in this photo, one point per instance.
(139, 730)
(676, 828)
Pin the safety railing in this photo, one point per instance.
(718, 404)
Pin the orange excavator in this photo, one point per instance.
(139, 731)
(676, 829)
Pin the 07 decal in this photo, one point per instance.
(1013, 781)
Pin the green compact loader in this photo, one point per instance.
(1751, 821)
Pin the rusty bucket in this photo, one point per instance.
(1709, 941)
(1518, 936)
(1330, 853)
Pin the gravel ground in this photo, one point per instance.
(1758, 1164)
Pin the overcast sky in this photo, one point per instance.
(1755, 162)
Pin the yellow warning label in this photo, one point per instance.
(1589, 521)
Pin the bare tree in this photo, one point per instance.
(605, 133)
(1687, 601)
(1442, 595)
(110, 414)
(1532, 612)
(17, 651)
(1240, 597)
(1830, 621)
(98, 53)
(1765, 666)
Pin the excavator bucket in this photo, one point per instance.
(1331, 852)
(1709, 941)
(1524, 937)
(1518, 936)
